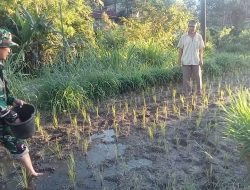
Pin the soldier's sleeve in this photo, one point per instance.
(10, 100)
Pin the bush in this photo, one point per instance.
(225, 62)
(237, 115)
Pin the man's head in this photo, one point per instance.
(192, 26)
(5, 44)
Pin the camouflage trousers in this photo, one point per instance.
(17, 147)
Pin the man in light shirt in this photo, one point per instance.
(191, 47)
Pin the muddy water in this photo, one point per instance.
(101, 162)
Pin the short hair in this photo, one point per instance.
(192, 23)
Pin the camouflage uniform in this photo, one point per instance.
(17, 147)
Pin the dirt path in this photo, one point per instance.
(151, 140)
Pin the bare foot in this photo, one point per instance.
(36, 174)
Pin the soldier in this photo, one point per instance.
(17, 147)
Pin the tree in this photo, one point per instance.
(32, 22)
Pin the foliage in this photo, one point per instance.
(238, 118)
(164, 25)
(239, 43)
(42, 31)
(228, 13)
(223, 63)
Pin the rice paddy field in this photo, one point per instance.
(147, 139)
(111, 114)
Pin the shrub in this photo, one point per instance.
(237, 115)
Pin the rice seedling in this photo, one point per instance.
(72, 169)
(222, 94)
(176, 110)
(154, 125)
(57, 149)
(166, 146)
(194, 100)
(205, 101)
(152, 90)
(177, 139)
(113, 111)
(116, 151)
(165, 110)
(172, 181)
(78, 137)
(135, 102)
(74, 122)
(199, 119)
(89, 120)
(189, 148)
(97, 111)
(154, 99)
(84, 114)
(219, 89)
(40, 129)
(85, 145)
(144, 102)
(157, 115)
(23, 180)
(182, 100)
(151, 133)
(209, 172)
(144, 120)
(117, 129)
(68, 131)
(226, 160)
(120, 105)
(38, 122)
(134, 116)
(163, 126)
(189, 111)
(55, 121)
(229, 91)
(78, 105)
(174, 95)
(123, 116)
(126, 107)
(136, 181)
(3, 174)
(204, 88)
(108, 108)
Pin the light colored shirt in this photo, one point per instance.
(191, 48)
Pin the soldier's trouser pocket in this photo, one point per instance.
(17, 147)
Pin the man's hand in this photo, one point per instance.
(201, 63)
(19, 102)
(180, 55)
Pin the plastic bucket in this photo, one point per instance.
(27, 127)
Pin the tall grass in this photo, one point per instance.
(238, 118)
(96, 74)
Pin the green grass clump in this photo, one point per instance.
(238, 118)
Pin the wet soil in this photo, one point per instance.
(155, 139)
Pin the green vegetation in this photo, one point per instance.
(238, 117)
(65, 65)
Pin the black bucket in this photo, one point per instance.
(27, 127)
